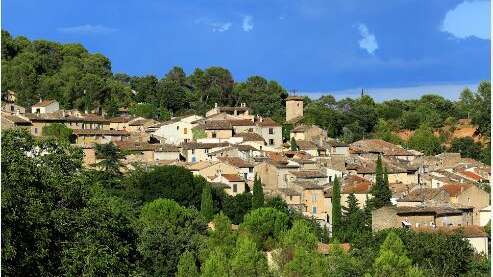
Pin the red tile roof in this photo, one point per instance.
(232, 177)
(455, 189)
(89, 132)
(43, 103)
(471, 175)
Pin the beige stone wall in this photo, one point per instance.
(475, 197)
(216, 169)
(268, 174)
(297, 136)
(159, 156)
(89, 156)
(385, 218)
(315, 199)
(455, 220)
(480, 245)
(294, 109)
(220, 134)
(276, 135)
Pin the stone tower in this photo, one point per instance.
(294, 108)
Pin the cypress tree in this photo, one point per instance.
(336, 207)
(186, 266)
(206, 205)
(294, 145)
(258, 194)
(381, 191)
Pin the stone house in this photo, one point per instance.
(273, 173)
(309, 133)
(45, 106)
(311, 148)
(72, 119)
(10, 121)
(177, 130)
(414, 217)
(294, 108)
(211, 169)
(236, 184)
(195, 152)
(12, 108)
(371, 148)
(241, 112)
(245, 168)
(100, 136)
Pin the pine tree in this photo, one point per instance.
(216, 265)
(258, 194)
(206, 205)
(393, 260)
(336, 207)
(186, 266)
(247, 259)
(294, 145)
(381, 191)
(353, 218)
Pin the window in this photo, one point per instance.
(12, 108)
(314, 197)
(250, 130)
(260, 147)
(314, 210)
(38, 110)
(245, 175)
(271, 141)
(297, 104)
(206, 151)
(177, 127)
(330, 179)
(35, 130)
(271, 131)
(291, 198)
(185, 131)
(193, 151)
(213, 135)
(250, 169)
(235, 187)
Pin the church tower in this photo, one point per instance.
(294, 108)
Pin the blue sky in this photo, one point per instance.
(309, 45)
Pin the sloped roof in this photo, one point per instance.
(236, 161)
(198, 145)
(294, 98)
(308, 145)
(90, 132)
(267, 122)
(43, 103)
(420, 195)
(16, 119)
(471, 175)
(455, 189)
(232, 177)
(307, 185)
(306, 174)
(247, 136)
(218, 125)
(378, 146)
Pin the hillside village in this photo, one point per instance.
(230, 146)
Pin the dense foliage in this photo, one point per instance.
(62, 219)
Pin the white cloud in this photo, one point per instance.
(368, 41)
(216, 26)
(247, 23)
(220, 26)
(468, 19)
(87, 29)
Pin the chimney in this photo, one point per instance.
(17, 112)
(85, 111)
(40, 99)
(63, 113)
(215, 105)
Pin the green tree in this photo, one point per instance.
(247, 260)
(380, 190)
(425, 141)
(165, 230)
(236, 207)
(206, 206)
(393, 260)
(353, 219)
(258, 194)
(336, 208)
(187, 266)
(294, 145)
(300, 235)
(172, 182)
(482, 108)
(222, 236)
(216, 265)
(265, 225)
(110, 156)
(466, 147)
(58, 131)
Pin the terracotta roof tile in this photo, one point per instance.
(308, 174)
(235, 161)
(250, 136)
(89, 132)
(43, 103)
(232, 177)
(378, 146)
